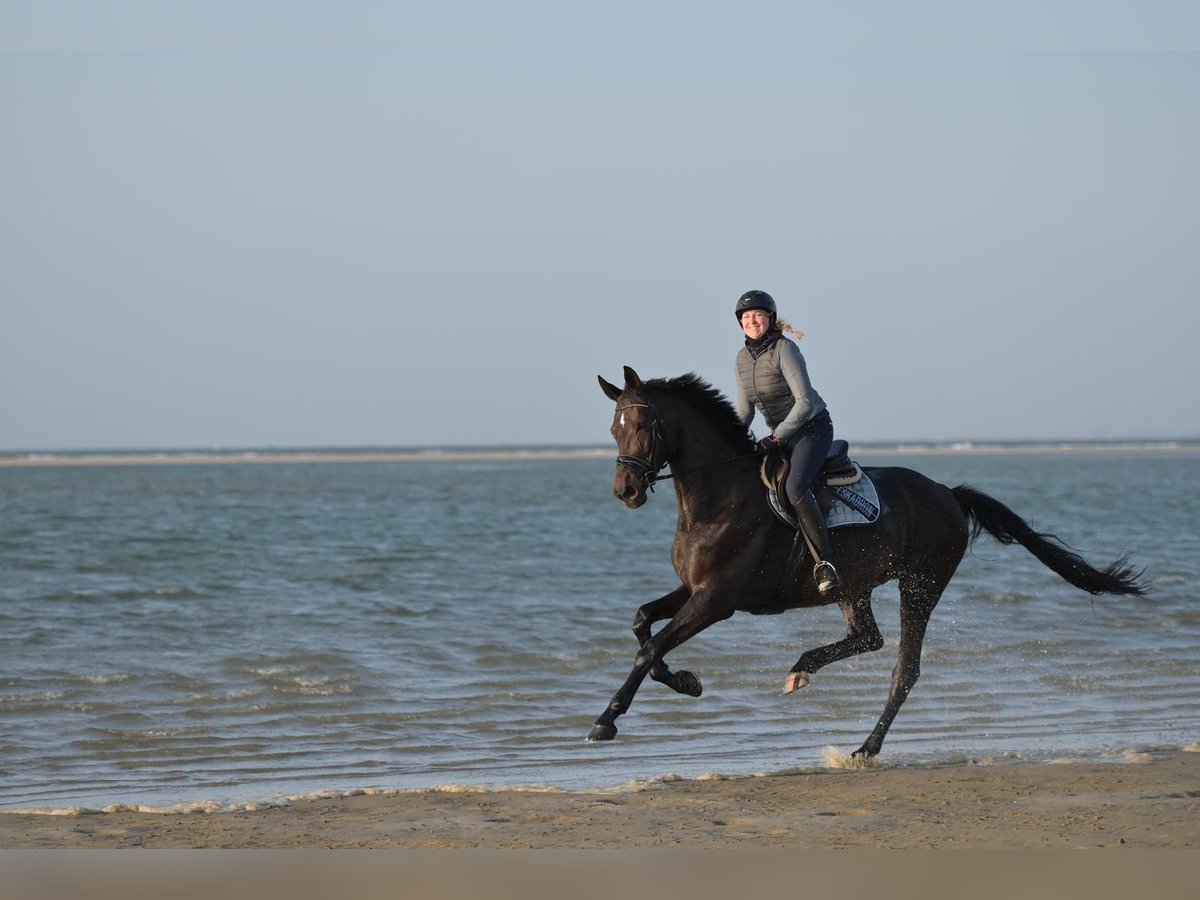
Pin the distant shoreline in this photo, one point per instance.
(179, 458)
(483, 454)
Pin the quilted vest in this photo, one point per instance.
(764, 384)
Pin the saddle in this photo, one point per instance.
(837, 470)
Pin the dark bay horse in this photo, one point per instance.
(731, 552)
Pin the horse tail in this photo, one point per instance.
(988, 514)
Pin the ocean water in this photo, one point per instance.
(236, 633)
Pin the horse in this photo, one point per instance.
(731, 551)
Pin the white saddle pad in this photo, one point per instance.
(854, 504)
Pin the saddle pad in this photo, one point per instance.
(855, 504)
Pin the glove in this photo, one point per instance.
(768, 442)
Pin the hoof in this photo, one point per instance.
(795, 681)
(602, 733)
(687, 683)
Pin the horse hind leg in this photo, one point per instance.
(862, 636)
(919, 594)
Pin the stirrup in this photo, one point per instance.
(826, 577)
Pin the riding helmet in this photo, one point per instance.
(754, 300)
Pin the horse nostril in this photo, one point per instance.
(628, 492)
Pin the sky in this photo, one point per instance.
(300, 224)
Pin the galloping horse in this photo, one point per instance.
(731, 552)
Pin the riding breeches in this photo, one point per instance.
(809, 449)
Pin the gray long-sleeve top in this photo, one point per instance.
(775, 382)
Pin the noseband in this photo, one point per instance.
(645, 469)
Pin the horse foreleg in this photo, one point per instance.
(655, 611)
(919, 594)
(698, 612)
(862, 636)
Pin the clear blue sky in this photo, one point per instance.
(296, 224)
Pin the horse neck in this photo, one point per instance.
(707, 468)
(710, 494)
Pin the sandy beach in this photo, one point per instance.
(1153, 803)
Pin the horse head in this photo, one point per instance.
(641, 452)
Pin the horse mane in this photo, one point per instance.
(709, 402)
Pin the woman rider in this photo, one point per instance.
(773, 379)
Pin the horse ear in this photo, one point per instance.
(610, 390)
(632, 381)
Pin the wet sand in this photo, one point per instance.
(1153, 803)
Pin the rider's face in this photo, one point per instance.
(755, 323)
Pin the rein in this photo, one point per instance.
(647, 471)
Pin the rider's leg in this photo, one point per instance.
(808, 455)
(813, 523)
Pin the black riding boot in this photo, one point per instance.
(813, 523)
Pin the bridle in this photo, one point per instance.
(647, 469)
(643, 468)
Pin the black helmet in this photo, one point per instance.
(754, 300)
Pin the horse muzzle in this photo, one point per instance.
(629, 491)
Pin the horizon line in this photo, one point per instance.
(502, 452)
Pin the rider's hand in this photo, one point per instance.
(768, 442)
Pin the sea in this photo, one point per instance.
(226, 630)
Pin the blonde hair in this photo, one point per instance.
(782, 326)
